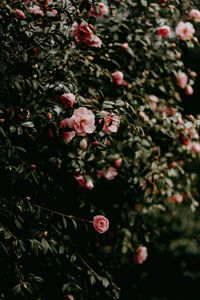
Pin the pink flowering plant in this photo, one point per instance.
(99, 157)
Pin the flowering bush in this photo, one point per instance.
(94, 141)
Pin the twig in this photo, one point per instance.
(61, 214)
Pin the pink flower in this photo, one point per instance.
(189, 90)
(84, 34)
(163, 31)
(185, 141)
(185, 31)
(68, 100)
(170, 111)
(83, 182)
(80, 179)
(176, 198)
(195, 14)
(111, 123)
(111, 173)
(143, 116)
(94, 42)
(68, 136)
(54, 11)
(36, 10)
(82, 121)
(194, 147)
(101, 10)
(125, 46)
(141, 255)
(192, 133)
(91, 58)
(89, 184)
(64, 123)
(70, 297)
(193, 74)
(173, 164)
(118, 77)
(33, 167)
(182, 79)
(118, 162)
(100, 223)
(20, 14)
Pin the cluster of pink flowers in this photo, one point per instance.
(187, 140)
(36, 10)
(100, 10)
(176, 198)
(182, 80)
(84, 34)
(141, 255)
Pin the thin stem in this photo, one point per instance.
(60, 214)
(94, 272)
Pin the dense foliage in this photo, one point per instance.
(92, 124)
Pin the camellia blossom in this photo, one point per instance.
(68, 136)
(182, 79)
(111, 123)
(70, 297)
(194, 147)
(82, 121)
(195, 15)
(164, 31)
(169, 111)
(191, 133)
(64, 123)
(100, 223)
(185, 31)
(125, 46)
(98, 12)
(82, 182)
(118, 77)
(141, 255)
(36, 10)
(68, 100)
(118, 162)
(84, 34)
(109, 174)
(20, 14)
(189, 90)
(176, 198)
